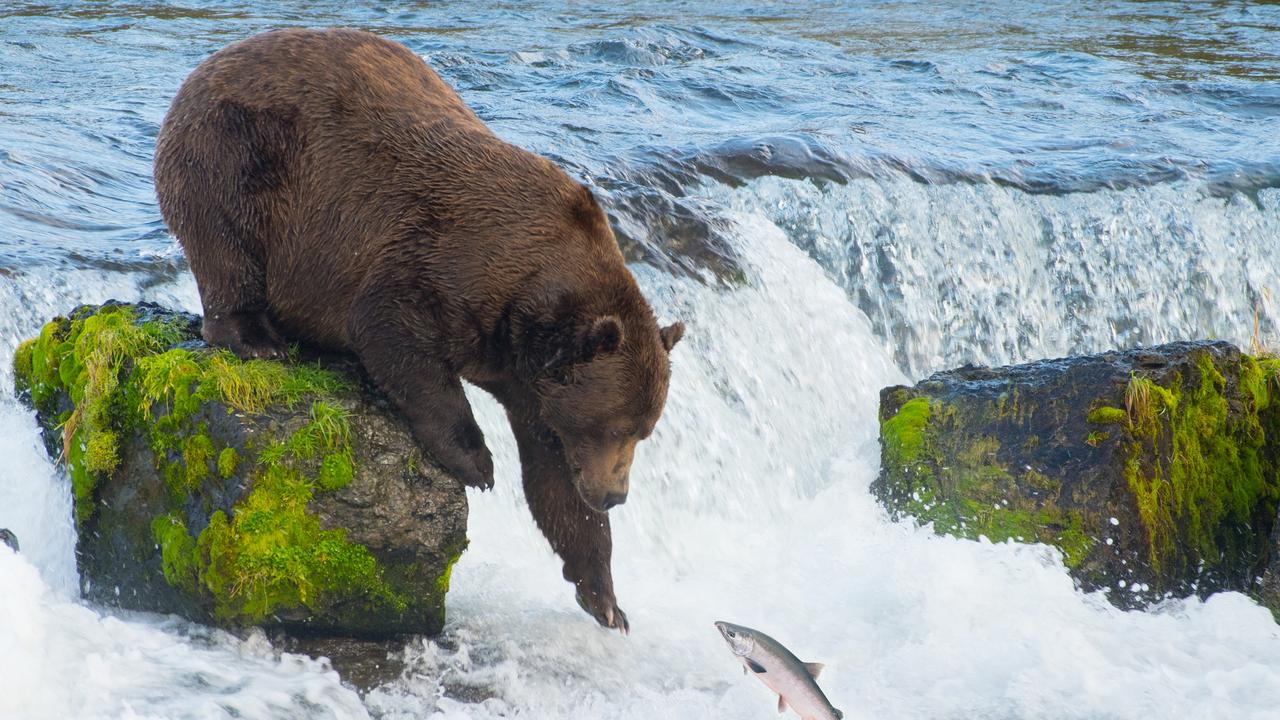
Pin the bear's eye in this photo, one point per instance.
(615, 434)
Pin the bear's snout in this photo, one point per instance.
(603, 494)
(603, 478)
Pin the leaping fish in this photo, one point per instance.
(794, 681)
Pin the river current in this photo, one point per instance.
(834, 197)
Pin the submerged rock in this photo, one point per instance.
(239, 492)
(1156, 471)
(8, 538)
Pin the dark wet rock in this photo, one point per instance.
(8, 538)
(239, 493)
(364, 664)
(678, 235)
(1268, 590)
(660, 223)
(797, 157)
(1156, 471)
(659, 220)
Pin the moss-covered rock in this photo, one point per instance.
(1156, 471)
(239, 492)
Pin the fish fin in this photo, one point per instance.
(814, 669)
(755, 666)
(744, 669)
(839, 715)
(782, 704)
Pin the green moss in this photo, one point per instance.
(272, 555)
(117, 372)
(1096, 438)
(87, 357)
(268, 554)
(22, 365)
(1195, 468)
(903, 434)
(102, 453)
(1075, 542)
(178, 556)
(83, 481)
(940, 474)
(337, 471)
(175, 478)
(1260, 381)
(442, 582)
(197, 455)
(43, 380)
(1107, 415)
(228, 461)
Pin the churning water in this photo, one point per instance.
(833, 199)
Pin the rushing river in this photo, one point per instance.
(833, 199)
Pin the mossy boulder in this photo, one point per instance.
(1156, 471)
(280, 494)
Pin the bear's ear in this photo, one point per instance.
(671, 335)
(604, 336)
(586, 210)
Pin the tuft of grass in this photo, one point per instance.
(1145, 404)
(329, 431)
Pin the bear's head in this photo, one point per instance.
(599, 360)
(605, 397)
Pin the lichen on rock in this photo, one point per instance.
(238, 492)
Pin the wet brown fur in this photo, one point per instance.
(328, 187)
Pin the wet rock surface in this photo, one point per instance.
(239, 493)
(1156, 471)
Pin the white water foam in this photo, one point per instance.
(987, 274)
(749, 504)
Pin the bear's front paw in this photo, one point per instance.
(472, 467)
(479, 473)
(249, 335)
(601, 605)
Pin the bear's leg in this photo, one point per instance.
(220, 181)
(392, 346)
(578, 534)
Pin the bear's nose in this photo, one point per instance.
(613, 499)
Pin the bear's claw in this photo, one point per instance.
(480, 474)
(250, 336)
(608, 614)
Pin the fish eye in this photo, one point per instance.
(732, 634)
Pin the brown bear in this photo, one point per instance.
(328, 187)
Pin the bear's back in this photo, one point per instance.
(333, 149)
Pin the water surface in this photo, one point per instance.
(834, 198)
